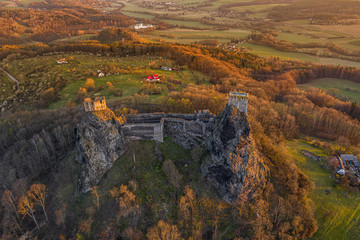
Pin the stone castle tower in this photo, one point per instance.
(94, 105)
(239, 100)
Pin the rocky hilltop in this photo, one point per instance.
(99, 144)
(234, 166)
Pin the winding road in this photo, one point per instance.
(11, 77)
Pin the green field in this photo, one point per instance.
(127, 76)
(128, 84)
(296, 38)
(355, 43)
(186, 36)
(271, 52)
(256, 7)
(264, 51)
(40, 73)
(185, 23)
(346, 88)
(79, 38)
(138, 15)
(295, 31)
(337, 216)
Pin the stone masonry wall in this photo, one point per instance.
(186, 129)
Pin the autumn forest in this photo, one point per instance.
(56, 53)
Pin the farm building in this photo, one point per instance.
(62, 61)
(349, 159)
(165, 68)
(153, 78)
(100, 73)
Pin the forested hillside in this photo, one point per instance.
(56, 53)
(278, 111)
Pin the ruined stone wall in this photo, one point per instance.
(144, 131)
(188, 130)
(187, 133)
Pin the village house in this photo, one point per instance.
(349, 159)
(153, 78)
(100, 73)
(166, 68)
(62, 61)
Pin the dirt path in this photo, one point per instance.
(11, 77)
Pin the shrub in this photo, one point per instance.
(172, 173)
(90, 84)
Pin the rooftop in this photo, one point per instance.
(240, 94)
(348, 157)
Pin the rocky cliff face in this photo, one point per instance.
(234, 167)
(99, 143)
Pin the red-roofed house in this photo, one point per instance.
(61, 61)
(153, 78)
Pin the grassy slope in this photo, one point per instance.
(129, 84)
(338, 217)
(43, 71)
(346, 88)
(264, 51)
(153, 188)
(271, 52)
(186, 36)
(6, 87)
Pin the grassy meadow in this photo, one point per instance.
(187, 36)
(40, 73)
(346, 88)
(7, 87)
(337, 214)
(264, 51)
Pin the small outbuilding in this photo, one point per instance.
(165, 68)
(341, 172)
(348, 159)
(62, 61)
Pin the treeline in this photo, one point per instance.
(114, 35)
(331, 49)
(306, 75)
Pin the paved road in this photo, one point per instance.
(11, 77)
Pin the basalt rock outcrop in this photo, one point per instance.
(234, 166)
(99, 143)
